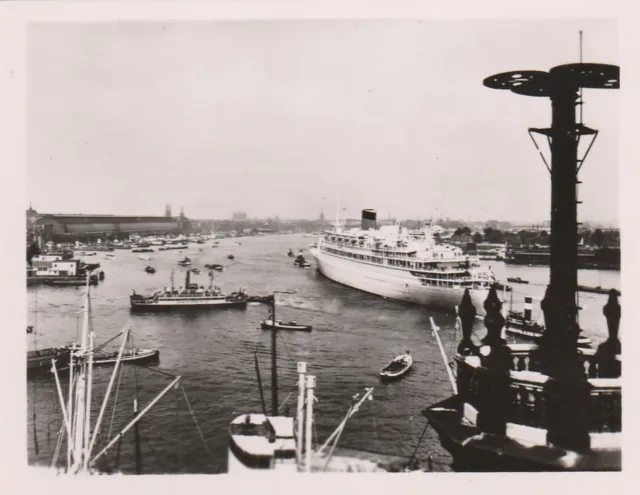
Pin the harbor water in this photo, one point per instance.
(354, 335)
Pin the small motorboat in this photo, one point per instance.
(195, 270)
(109, 256)
(214, 266)
(398, 366)
(185, 262)
(144, 257)
(517, 280)
(150, 269)
(279, 325)
(231, 257)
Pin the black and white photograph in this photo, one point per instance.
(321, 244)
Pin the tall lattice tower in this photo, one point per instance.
(167, 211)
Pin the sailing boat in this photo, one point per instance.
(284, 444)
(80, 433)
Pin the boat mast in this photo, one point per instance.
(274, 369)
(81, 418)
(172, 286)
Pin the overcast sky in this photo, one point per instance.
(270, 117)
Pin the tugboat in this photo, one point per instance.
(520, 324)
(191, 296)
(517, 280)
(550, 406)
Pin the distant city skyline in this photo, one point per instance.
(279, 118)
(331, 219)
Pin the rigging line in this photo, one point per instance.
(175, 419)
(115, 401)
(56, 452)
(197, 426)
(285, 400)
(160, 372)
(98, 348)
(35, 429)
(413, 456)
(286, 347)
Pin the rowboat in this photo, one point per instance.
(279, 325)
(398, 366)
(136, 356)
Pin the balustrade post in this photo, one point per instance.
(608, 352)
(467, 313)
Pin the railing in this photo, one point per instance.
(519, 396)
(524, 361)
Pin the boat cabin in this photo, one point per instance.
(257, 441)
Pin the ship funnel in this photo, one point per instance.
(528, 306)
(368, 219)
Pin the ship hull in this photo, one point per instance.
(177, 306)
(393, 284)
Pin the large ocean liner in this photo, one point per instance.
(396, 263)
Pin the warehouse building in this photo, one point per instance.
(56, 227)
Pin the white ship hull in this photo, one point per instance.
(393, 283)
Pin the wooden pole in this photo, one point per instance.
(302, 369)
(452, 380)
(311, 384)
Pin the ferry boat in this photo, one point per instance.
(191, 296)
(398, 264)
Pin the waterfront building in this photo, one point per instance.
(69, 226)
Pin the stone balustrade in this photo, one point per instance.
(526, 400)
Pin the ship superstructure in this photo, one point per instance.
(396, 263)
(192, 296)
